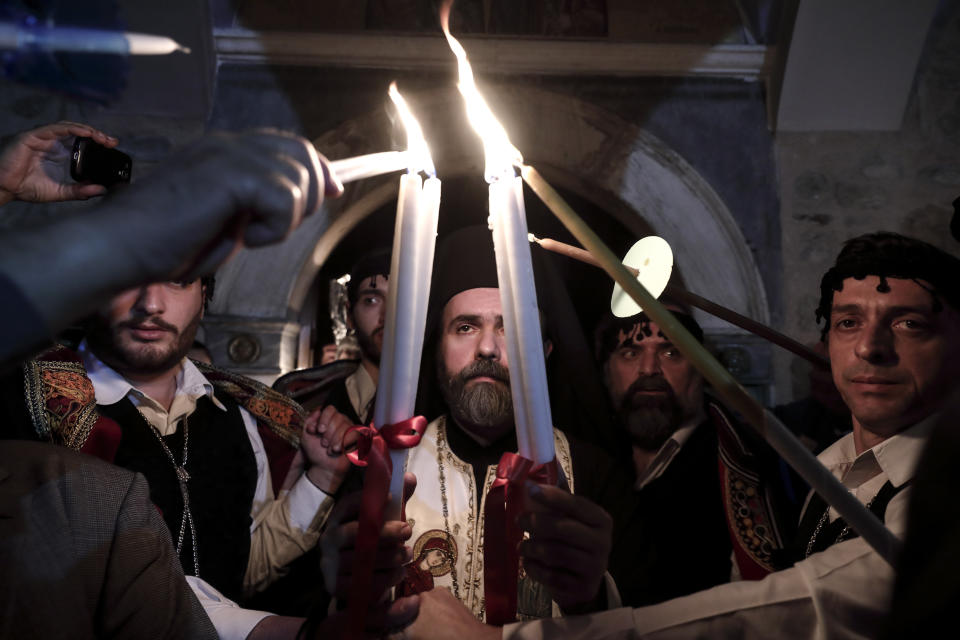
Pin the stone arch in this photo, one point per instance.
(577, 146)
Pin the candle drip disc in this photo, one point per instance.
(653, 259)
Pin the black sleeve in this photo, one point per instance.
(603, 480)
(16, 423)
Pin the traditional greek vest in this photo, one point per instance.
(62, 407)
(223, 480)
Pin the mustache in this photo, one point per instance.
(485, 368)
(149, 321)
(649, 383)
(633, 399)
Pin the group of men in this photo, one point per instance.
(687, 530)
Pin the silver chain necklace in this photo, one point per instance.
(823, 521)
(182, 477)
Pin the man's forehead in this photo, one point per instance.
(474, 302)
(376, 281)
(882, 292)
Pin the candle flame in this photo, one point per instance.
(501, 156)
(417, 149)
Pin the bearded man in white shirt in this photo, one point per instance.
(892, 311)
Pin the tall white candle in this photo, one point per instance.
(501, 204)
(521, 319)
(518, 296)
(427, 240)
(394, 356)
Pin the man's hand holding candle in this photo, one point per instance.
(568, 547)
(339, 547)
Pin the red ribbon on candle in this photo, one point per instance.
(373, 451)
(502, 534)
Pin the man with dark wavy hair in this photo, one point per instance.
(892, 311)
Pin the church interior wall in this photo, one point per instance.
(794, 196)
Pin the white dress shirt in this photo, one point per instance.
(283, 528)
(360, 390)
(841, 592)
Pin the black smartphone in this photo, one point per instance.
(92, 162)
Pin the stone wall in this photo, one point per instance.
(837, 185)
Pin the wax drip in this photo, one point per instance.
(884, 286)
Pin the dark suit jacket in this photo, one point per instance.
(84, 554)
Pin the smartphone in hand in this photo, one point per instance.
(94, 163)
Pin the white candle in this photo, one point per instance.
(521, 319)
(78, 39)
(142, 44)
(427, 240)
(368, 166)
(411, 264)
(501, 203)
(518, 295)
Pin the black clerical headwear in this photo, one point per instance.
(465, 260)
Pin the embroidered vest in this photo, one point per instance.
(223, 480)
(62, 407)
(755, 516)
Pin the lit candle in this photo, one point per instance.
(521, 321)
(80, 40)
(368, 166)
(411, 265)
(518, 296)
(142, 44)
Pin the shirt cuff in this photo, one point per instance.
(305, 502)
(230, 621)
(614, 601)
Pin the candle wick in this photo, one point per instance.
(533, 238)
(183, 49)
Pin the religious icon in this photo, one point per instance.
(435, 554)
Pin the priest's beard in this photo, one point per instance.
(650, 420)
(114, 346)
(486, 408)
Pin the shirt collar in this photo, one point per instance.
(110, 387)
(669, 450)
(361, 389)
(896, 457)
